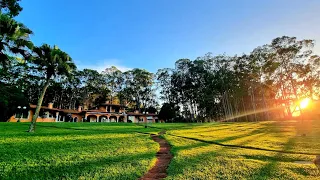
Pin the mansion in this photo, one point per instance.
(106, 112)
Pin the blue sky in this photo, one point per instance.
(153, 34)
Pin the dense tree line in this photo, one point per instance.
(265, 84)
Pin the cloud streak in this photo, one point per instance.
(102, 65)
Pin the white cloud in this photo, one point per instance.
(102, 65)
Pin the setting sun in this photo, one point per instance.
(304, 103)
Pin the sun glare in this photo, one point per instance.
(304, 103)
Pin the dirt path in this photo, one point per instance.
(159, 170)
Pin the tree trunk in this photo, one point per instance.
(267, 112)
(36, 114)
(244, 110)
(253, 105)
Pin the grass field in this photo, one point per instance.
(119, 151)
(196, 159)
(75, 151)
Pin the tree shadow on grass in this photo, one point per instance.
(266, 172)
(241, 146)
(190, 162)
(85, 168)
(256, 133)
(201, 144)
(270, 169)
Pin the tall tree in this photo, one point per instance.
(49, 62)
(289, 55)
(164, 83)
(138, 87)
(114, 81)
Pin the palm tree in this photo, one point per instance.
(51, 62)
(14, 39)
(10, 7)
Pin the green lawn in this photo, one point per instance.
(121, 151)
(75, 151)
(204, 160)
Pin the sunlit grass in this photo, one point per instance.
(75, 151)
(199, 160)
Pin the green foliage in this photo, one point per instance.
(10, 7)
(138, 88)
(11, 97)
(167, 112)
(114, 80)
(75, 151)
(152, 110)
(51, 62)
(14, 40)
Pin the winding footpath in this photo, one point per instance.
(164, 156)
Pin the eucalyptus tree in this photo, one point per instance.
(91, 87)
(138, 87)
(184, 87)
(289, 57)
(49, 62)
(114, 80)
(163, 77)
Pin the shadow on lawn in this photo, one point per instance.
(270, 169)
(242, 147)
(253, 136)
(224, 165)
(95, 168)
(263, 129)
(210, 157)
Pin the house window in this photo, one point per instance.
(22, 115)
(60, 118)
(47, 114)
(51, 115)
